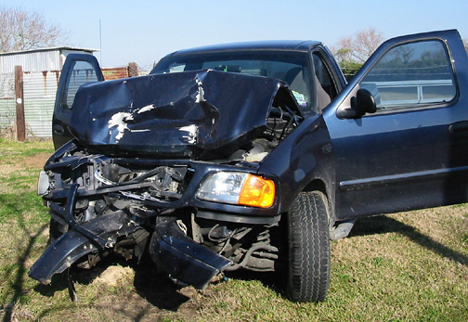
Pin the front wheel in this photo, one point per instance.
(309, 248)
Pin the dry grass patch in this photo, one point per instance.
(115, 276)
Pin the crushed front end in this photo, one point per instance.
(172, 172)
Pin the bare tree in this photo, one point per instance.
(352, 51)
(465, 43)
(23, 30)
(360, 46)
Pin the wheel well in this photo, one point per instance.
(316, 185)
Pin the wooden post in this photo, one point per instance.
(20, 121)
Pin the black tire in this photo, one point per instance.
(309, 248)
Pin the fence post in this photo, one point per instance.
(20, 121)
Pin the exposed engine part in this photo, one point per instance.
(247, 246)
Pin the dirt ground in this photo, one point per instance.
(37, 160)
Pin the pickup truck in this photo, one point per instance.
(251, 156)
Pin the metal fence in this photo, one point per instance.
(39, 90)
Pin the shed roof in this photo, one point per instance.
(60, 48)
(38, 60)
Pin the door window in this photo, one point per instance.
(81, 73)
(412, 75)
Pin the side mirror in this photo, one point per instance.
(364, 102)
(361, 104)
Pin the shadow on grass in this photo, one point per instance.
(153, 294)
(384, 224)
(363, 227)
(18, 285)
(150, 285)
(157, 288)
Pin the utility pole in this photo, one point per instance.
(20, 121)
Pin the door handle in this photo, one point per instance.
(58, 129)
(459, 128)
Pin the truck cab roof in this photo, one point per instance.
(265, 45)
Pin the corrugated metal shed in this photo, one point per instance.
(47, 59)
(41, 71)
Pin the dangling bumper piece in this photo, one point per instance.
(182, 258)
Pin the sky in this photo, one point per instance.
(144, 31)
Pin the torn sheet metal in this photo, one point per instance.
(184, 259)
(181, 114)
(73, 245)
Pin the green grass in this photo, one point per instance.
(402, 267)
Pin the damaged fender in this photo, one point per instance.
(71, 246)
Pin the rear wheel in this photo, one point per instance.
(309, 248)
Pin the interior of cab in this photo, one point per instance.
(291, 68)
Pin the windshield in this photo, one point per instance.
(289, 67)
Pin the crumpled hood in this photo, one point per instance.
(174, 115)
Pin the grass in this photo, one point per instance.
(402, 267)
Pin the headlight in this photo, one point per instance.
(42, 183)
(238, 188)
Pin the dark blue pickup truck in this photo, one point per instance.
(251, 156)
